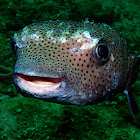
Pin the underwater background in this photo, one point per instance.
(24, 118)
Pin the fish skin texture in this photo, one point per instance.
(69, 50)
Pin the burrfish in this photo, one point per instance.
(73, 62)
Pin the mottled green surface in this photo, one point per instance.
(24, 118)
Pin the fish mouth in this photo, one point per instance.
(39, 86)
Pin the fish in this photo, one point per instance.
(72, 62)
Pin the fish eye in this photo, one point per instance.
(102, 51)
(13, 45)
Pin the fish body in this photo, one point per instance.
(72, 62)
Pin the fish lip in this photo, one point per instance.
(40, 89)
(36, 76)
(31, 73)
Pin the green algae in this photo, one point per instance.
(26, 118)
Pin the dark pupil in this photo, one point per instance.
(103, 51)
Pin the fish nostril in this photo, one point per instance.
(13, 45)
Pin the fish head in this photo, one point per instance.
(71, 62)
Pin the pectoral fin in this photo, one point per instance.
(132, 103)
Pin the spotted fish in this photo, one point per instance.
(73, 62)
